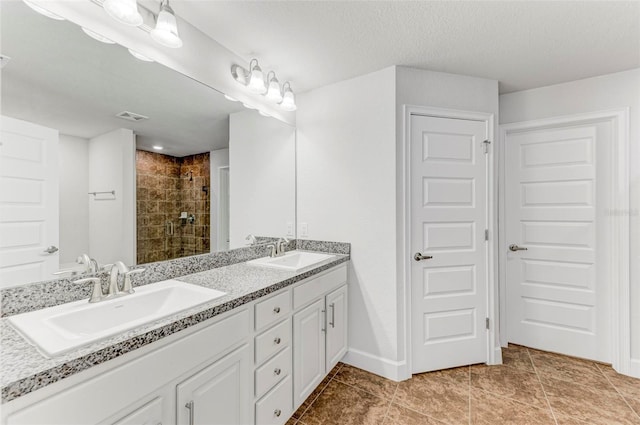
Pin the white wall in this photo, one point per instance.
(112, 220)
(73, 172)
(350, 176)
(218, 158)
(589, 95)
(347, 192)
(262, 174)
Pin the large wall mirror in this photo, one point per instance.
(109, 155)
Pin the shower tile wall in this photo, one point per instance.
(166, 186)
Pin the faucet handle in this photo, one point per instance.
(272, 250)
(127, 286)
(96, 291)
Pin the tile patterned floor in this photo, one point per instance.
(531, 387)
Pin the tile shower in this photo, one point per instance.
(167, 187)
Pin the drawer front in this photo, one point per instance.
(273, 372)
(277, 406)
(273, 309)
(273, 340)
(316, 287)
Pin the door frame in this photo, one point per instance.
(493, 355)
(618, 225)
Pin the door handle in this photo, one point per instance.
(418, 256)
(51, 249)
(514, 247)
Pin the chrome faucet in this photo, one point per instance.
(281, 247)
(114, 288)
(252, 239)
(91, 265)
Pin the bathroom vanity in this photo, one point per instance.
(252, 356)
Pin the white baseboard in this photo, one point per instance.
(634, 370)
(390, 369)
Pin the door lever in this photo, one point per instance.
(514, 247)
(418, 256)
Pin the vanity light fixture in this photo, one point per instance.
(288, 98)
(140, 56)
(98, 37)
(43, 11)
(166, 30)
(256, 78)
(123, 11)
(273, 90)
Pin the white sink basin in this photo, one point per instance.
(292, 260)
(56, 330)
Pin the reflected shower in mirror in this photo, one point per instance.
(124, 159)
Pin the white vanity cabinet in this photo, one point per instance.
(319, 330)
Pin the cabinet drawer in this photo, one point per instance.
(273, 372)
(316, 287)
(273, 309)
(273, 340)
(276, 407)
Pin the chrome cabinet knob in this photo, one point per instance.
(277, 413)
(276, 310)
(277, 340)
(418, 256)
(277, 371)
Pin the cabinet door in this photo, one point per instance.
(308, 350)
(219, 394)
(336, 326)
(148, 414)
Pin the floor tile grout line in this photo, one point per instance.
(513, 399)
(618, 391)
(362, 389)
(404, 406)
(553, 415)
(316, 397)
(390, 403)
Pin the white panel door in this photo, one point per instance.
(448, 221)
(556, 300)
(336, 326)
(28, 202)
(308, 350)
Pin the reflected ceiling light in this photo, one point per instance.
(288, 98)
(273, 90)
(43, 11)
(166, 30)
(98, 37)
(264, 114)
(140, 56)
(123, 11)
(158, 148)
(233, 99)
(248, 106)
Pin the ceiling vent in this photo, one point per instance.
(131, 116)
(4, 60)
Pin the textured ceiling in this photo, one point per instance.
(521, 44)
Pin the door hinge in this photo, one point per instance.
(486, 234)
(486, 144)
(486, 322)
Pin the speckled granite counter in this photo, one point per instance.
(24, 369)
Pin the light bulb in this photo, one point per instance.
(256, 80)
(43, 11)
(288, 100)
(123, 11)
(273, 92)
(166, 30)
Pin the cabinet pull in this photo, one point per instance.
(277, 412)
(324, 320)
(276, 310)
(192, 409)
(333, 315)
(277, 340)
(277, 371)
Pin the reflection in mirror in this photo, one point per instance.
(80, 120)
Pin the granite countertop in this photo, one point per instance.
(24, 369)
